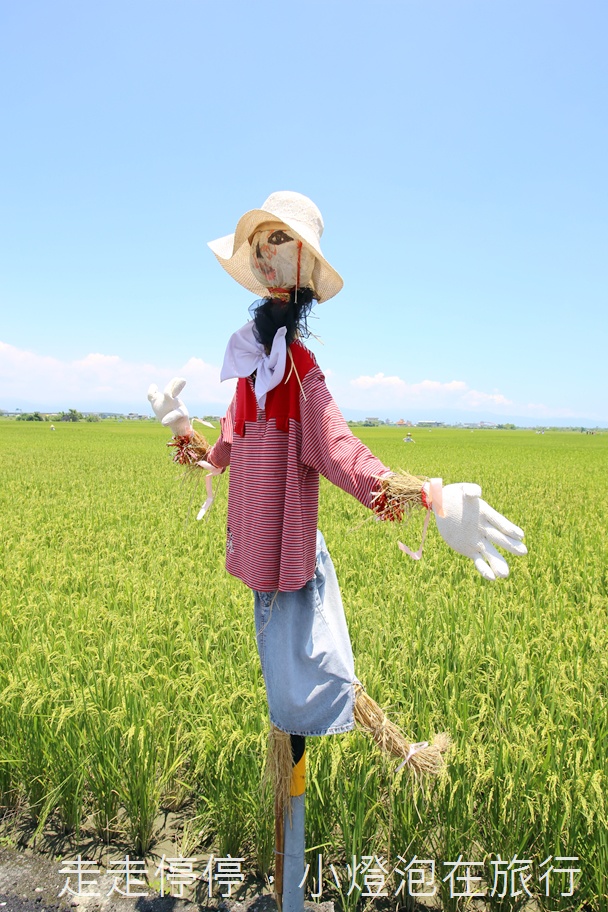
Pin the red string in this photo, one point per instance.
(424, 498)
(279, 292)
(299, 261)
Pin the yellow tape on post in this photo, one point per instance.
(298, 777)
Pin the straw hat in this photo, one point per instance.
(305, 221)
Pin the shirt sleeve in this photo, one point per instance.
(219, 454)
(330, 447)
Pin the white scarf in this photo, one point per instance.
(244, 355)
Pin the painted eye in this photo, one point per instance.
(279, 237)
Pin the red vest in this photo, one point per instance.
(282, 402)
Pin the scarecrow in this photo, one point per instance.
(281, 431)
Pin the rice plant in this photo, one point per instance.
(129, 677)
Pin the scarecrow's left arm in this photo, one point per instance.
(330, 447)
(466, 523)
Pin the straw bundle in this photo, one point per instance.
(189, 450)
(398, 495)
(279, 766)
(428, 760)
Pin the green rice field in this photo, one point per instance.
(130, 681)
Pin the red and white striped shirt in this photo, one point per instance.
(275, 456)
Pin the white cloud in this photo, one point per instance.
(541, 410)
(476, 399)
(379, 381)
(103, 382)
(384, 392)
(99, 381)
(381, 393)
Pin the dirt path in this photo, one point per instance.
(30, 882)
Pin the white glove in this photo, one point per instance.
(170, 410)
(471, 527)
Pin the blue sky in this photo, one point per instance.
(457, 150)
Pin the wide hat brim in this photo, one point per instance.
(232, 253)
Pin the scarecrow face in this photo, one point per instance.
(274, 256)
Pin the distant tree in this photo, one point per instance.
(93, 418)
(72, 415)
(30, 416)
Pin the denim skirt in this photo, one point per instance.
(306, 656)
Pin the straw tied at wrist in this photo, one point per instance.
(400, 493)
(190, 449)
